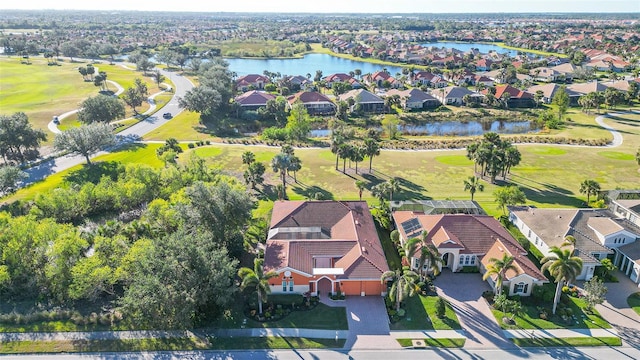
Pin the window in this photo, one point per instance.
(291, 285)
(284, 285)
(473, 259)
(462, 260)
(467, 259)
(521, 288)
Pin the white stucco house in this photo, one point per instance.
(599, 234)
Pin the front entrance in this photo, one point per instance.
(446, 259)
(324, 286)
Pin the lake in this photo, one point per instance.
(464, 46)
(456, 128)
(307, 65)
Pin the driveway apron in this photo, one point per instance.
(617, 312)
(368, 324)
(464, 293)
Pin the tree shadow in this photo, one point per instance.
(93, 173)
(410, 190)
(312, 192)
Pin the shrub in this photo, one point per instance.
(208, 142)
(191, 145)
(267, 314)
(401, 312)
(274, 133)
(441, 307)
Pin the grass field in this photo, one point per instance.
(634, 302)
(429, 342)
(573, 341)
(41, 91)
(172, 344)
(421, 315)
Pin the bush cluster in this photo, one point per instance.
(74, 316)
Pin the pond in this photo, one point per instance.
(465, 46)
(306, 65)
(457, 128)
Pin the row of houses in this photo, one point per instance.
(326, 247)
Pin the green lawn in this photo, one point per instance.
(322, 317)
(530, 318)
(172, 344)
(135, 153)
(442, 343)
(41, 91)
(421, 315)
(634, 302)
(573, 341)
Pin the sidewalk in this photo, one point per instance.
(119, 335)
(559, 333)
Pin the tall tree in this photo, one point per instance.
(214, 92)
(561, 100)
(85, 140)
(510, 195)
(18, 139)
(360, 185)
(589, 187)
(254, 174)
(133, 98)
(473, 184)
(564, 267)
(248, 157)
(337, 139)
(10, 176)
(101, 108)
(371, 149)
(298, 122)
(257, 280)
(280, 164)
(158, 77)
(429, 256)
(499, 267)
(403, 285)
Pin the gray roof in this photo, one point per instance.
(361, 96)
(553, 225)
(435, 207)
(458, 92)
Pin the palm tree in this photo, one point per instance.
(403, 285)
(360, 185)
(257, 280)
(248, 157)
(371, 149)
(393, 187)
(337, 139)
(564, 267)
(472, 185)
(410, 248)
(570, 241)
(280, 164)
(499, 267)
(429, 255)
(589, 187)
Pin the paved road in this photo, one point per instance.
(622, 353)
(135, 132)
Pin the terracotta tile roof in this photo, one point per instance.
(472, 234)
(252, 79)
(308, 97)
(348, 236)
(513, 92)
(523, 264)
(254, 98)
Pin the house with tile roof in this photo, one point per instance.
(315, 102)
(365, 100)
(415, 99)
(549, 91)
(466, 240)
(254, 99)
(599, 234)
(453, 95)
(428, 79)
(323, 247)
(517, 98)
(378, 79)
(251, 81)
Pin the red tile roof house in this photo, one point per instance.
(253, 100)
(315, 102)
(471, 240)
(255, 81)
(517, 97)
(324, 247)
(341, 77)
(379, 77)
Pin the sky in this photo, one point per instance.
(336, 6)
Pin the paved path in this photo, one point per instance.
(560, 333)
(133, 133)
(368, 324)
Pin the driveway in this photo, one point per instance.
(464, 293)
(618, 313)
(368, 324)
